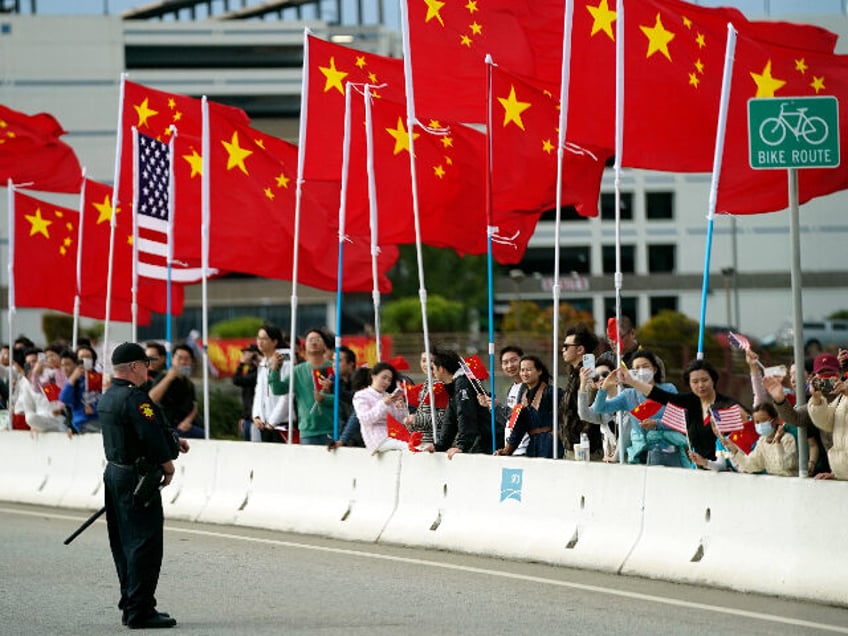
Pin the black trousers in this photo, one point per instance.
(135, 538)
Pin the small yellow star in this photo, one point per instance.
(372, 78)
(687, 23)
(817, 84)
(602, 19)
(334, 76)
(801, 66)
(699, 65)
(464, 40)
(701, 40)
(401, 137)
(766, 84)
(260, 143)
(282, 181)
(472, 6)
(547, 146)
(177, 116)
(172, 103)
(68, 241)
(439, 171)
(236, 154)
(447, 141)
(476, 29)
(105, 210)
(448, 160)
(38, 224)
(433, 9)
(693, 79)
(434, 123)
(360, 61)
(658, 38)
(196, 163)
(269, 193)
(513, 108)
(144, 113)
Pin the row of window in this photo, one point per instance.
(659, 206)
(662, 258)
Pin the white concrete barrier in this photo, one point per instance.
(194, 481)
(85, 487)
(230, 482)
(345, 494)
(23, 464)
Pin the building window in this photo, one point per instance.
(628, 308)
(658, 303)
(628, 259)
(568, 213)
(571, 259)
(608, 206)
(661, 258)
(659, 205)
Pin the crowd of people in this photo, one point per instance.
(604, 409)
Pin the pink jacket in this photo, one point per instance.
(371, 411)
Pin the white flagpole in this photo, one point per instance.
(410, 122)
(11, 289)
(565, 82)
(301, 156)
(116, 184)
(80, 234)
(619, 146)
(135, 231)
(204, 255)
(372, 216)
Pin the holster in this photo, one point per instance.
(149, 479)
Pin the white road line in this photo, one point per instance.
(485, 571)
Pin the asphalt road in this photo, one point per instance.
(226, 580)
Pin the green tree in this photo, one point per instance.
(842, 314)
(241, 327)
(404, 315)
(674, 337)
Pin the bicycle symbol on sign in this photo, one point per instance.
(813, 129)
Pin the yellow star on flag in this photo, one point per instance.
(360, 61)
(701, 40)
(236, 153)
(513, 108)
(172, 103)
(144, 113)
(817, 84)
(283, 181)
(401, 136)
(476, 28)
(766, 84)
(105, 210)
(269, 193)
(196, 163)
(699, 65)
(687, 23)
(433, 8)
(447, 141)
(334, 76)
(602, 19)
(68, 241)
(38, 224)
(547, 146)
(658, 38)
(439, 171)
(472, 6)
(693, 79)
(464, 40)
(801, 66)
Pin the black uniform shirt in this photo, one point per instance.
(133, 426)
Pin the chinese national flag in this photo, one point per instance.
(32, 155)
(97, 208)
(475, 364)
(45, 255)
(330, 67)
(253, 177)
(766, 70)
(450, 169)
(153, 112)
(674, 60)
(646, 409)
(449, 42)
(524, 140)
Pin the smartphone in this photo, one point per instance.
(825, 385)
(589, 361)
(42, 357)
(87, 364)
(779, 370)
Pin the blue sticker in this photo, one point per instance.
(5, 28)
(511, 482)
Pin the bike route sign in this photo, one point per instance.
(794, 132)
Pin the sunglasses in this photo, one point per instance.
(603, 375)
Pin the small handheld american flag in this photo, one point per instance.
(738, 341)
(728, 419)
(674, 418)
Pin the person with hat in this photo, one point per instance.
(245, 378)
(138, 442)
(829, 379)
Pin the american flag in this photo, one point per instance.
(153, 196)
(674, 418)
(739, 341)
(729, 419)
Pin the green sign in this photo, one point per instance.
(794, 132)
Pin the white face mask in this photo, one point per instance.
(764, 429)
(643, 375)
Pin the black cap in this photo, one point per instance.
(128, 352)
(251, 347)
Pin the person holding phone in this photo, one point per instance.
(579, 341)
(174, 391)
(83, 390)
(832, 417)
(374, 404)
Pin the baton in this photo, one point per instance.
(84, 525)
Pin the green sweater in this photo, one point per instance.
(313, 418)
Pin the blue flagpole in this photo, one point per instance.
(336, 379)
(489, 258)
(704, 287)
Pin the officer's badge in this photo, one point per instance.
(146, 410)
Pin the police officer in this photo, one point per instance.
(135, 434)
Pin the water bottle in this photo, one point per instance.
(584, 447)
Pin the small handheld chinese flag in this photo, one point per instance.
(646, 409)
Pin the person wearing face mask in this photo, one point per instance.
(174, 391)
(590, 382)
(646, 440)
(832, 417)
(775, 452)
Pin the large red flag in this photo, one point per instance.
(450, 170)
(45, 268)
(524, 141)
(771, 71)
(330, 67)
(449, 42)
(674, 59)
(33, 156)
(97, 210)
